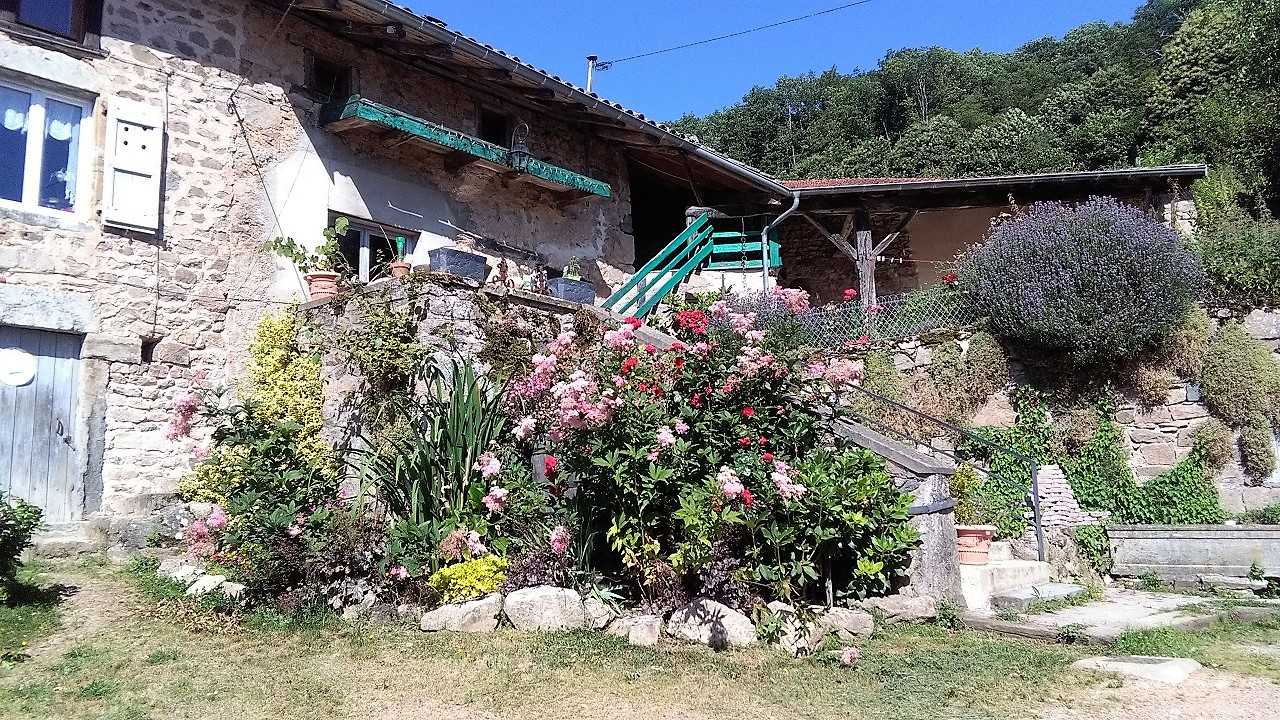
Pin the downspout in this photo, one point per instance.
(764, 240)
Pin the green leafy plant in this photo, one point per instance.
(1095, 546)
(1257, 451)
(965, 483)
(19, 520)
(1242, 258)
(470, 579)
(326, 258)
(1268, 515)
(1003, 494)
(1241, 379)
(1213, 438)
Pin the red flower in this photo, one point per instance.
(744, 442)
(695, 321)
(747, 500)
(767, 457)
(629, 364)
(748, 411)
(651, 348)
(950, 278)
(864, 339)
(850, 294)
(642, 387)
(763, 441)
(549, 465)
(696, 400)
(679, 363)
(633, 321)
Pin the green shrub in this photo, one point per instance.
(1185, 495)
(1002, 496)
(964, 488)
(1241, 379)
(1242, 259)
(1095, 546)
(1213, 441)
(1150, 384)
(469, 580)
(986, 364)
(19, 520)
(1269, 515)
(1257, 453)
(1183, 349)
(1099, 281)
(1099, 473)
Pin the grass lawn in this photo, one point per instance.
(169, 661)
(28, 612)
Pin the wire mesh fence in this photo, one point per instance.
(894, 317)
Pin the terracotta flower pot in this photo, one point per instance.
(973, 543)
(399, 268)
(322, 285)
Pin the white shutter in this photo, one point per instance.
(135, 152)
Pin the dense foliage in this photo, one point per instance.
(1185, 80)
(18, 522)
(1241, 379)
(1100, 281)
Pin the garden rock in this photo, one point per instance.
(1241, 585)
(545, 608)
(847, 623)
(206, 584)
(409, 613)
(598, 613)
(902, 608)
(713, 624)
(232, 590)
(179, 570)
(798, 636)
(475, 616)
(642, 630)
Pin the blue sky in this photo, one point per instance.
(559, 34)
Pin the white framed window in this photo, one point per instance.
(44, 149)
(369, 246)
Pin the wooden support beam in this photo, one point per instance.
(866, 259)
(376, 31)
(840, 240)
(320, 6)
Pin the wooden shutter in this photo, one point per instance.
(134, 156)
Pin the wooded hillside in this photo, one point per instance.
(1184, 81)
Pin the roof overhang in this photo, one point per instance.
(427, 43)
(993, 191)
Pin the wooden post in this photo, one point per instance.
(866, 260)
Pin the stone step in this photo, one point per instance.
(1022, 598)
(65, 540)
(978, 583)
(1001, 550)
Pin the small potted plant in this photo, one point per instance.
(399, 267)
(320, 269)
(570, 286)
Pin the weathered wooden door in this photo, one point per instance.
(39, 389)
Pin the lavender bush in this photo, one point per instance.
(1099, 281)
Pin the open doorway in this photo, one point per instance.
(658, 203)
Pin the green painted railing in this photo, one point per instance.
(697, 246)
(368, 111)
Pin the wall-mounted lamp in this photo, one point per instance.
(519, 156)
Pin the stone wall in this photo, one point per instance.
(169, 314)
(1157, 437)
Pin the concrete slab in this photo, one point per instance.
(1171, 671)
(1022, 598)
(1119, 610)
(978, 583)
(1001, 550)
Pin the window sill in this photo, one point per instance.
(53, 219)
(50, 41)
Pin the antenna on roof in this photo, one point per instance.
(591, 69)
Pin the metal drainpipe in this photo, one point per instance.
(764, 240)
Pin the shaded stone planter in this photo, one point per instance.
(1184, 552)
(398, 268)
(459, 262)
(579, 291)
(322, 285)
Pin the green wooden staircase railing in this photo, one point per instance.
(699, 243)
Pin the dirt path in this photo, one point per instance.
(88, 606)
(1206, 695)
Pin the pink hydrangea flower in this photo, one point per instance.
(217, 519)
(796, 300)
(525, 427)
(488, 465)
(399, 572)
(496, 500)
(849, 656)
(841, 372)
(682, 427)
(730, 484)
(476, 547)
(559, 540)
(665, 437)
(619, 339)
(200, 453)
(544, 364)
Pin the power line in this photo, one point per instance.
(606, 64)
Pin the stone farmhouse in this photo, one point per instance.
(149, 149)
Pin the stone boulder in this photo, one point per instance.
(180, 570)
(598, 613)
(848, 624)
(206, 584)
(642, 630)
(902, 608)
(545, 608)
(475, 616)
(712, 624)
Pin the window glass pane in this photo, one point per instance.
(13, 142)
(52, 15)
(349, 245)
(60, 153)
